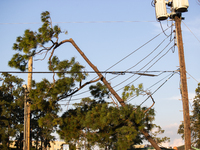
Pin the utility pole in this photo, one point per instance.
(25, 118)
(30, 69)
(27, 110)
(177, 8)
(184, 90)
(144, 132)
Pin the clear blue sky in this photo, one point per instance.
(105, 43)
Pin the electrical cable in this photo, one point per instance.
(143, 58)
(75, 22)
(145, 66)
(151, 86)
(152, 51)
(162, 28)
(137, 49)
(164, 82)
(161, 72)
(91, 96)
(142, 68)
(157, 89)
(152, 64)
(111, 72)
(157, 82)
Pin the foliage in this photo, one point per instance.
(157, 130)
(194, 121)
(44, 41)
(34, 43)
(45, 95)
(44, 107)
(11, 109)
(31, 41)
(98, 123)
(99, 91)
(45, 100)
(130, 91)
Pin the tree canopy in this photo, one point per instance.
(11, 109)
(28, 44)
(97, 122)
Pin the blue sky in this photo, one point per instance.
(108, 31)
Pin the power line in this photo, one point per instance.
(160, 72)
(145, 56)
(158, 88)
(173, 72)
(147, 65)
(154, 84)
(137, 49)
(159, 81)
(76, 22)
(111, 72)
(162, 28)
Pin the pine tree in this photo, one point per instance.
(96, 122)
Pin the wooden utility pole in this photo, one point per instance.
(27, 110)
(184, 91)
(25, 119)
(30, 69)
(144, 132)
